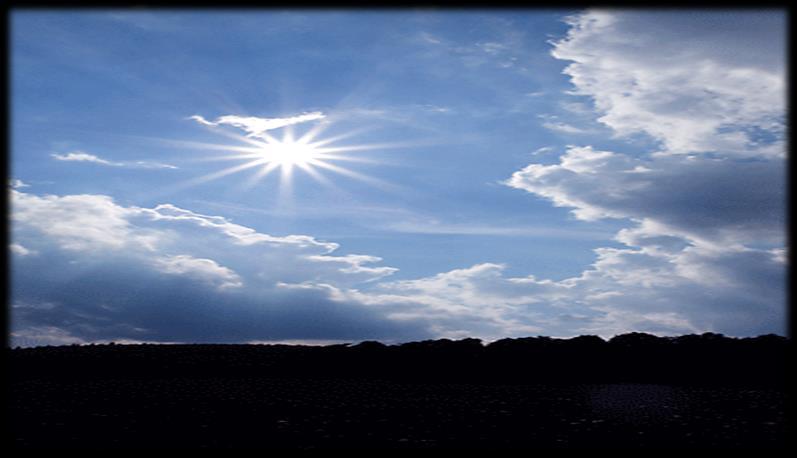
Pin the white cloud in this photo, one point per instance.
(566, 128)
(202, 120)
(779, 255)
(696, 81)
(43, 335)
(353, 264)
(92, 223)
(713, 202)
(148, 165)
(427, 37)
(475, 301)
(629, 289)
(79, 222)
(432, 226)
(543, 150)
(699, 246)
(257, 127)
(577, 107)
(656, 284)
(434, 108)
(504, 47)
(20, 250)
(14, 183)
(703, 249)
(493, 47)
(241, 235)
(203, 269)
(115, 270)
(79, 156)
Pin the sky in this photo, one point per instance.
(320, 176)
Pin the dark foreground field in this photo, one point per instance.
(293, 397)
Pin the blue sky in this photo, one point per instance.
(318, 176)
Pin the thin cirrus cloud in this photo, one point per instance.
(79, 156)
(428, 226)
(566, 128)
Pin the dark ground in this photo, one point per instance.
(106, 401)
(301, 413)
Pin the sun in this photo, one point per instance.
(289, 153)
(265, 153)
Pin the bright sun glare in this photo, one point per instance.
(289, 153)
(266, 154)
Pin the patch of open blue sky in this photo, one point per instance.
(125, 77)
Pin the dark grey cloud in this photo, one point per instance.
(95, 270)
(728, 200)
(116, 299)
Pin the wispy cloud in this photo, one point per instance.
(577, 107)
(492, 47)
(493, 230)
(429, 38)
(256, 127)
(79, 156)
(543, 150)
(566, 128)
(434, 108)
(14, 183)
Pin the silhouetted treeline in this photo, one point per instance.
(707, 359)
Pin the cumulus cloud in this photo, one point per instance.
(703, 248)
(717, 202)
(682, 289)
(79, 156)
(474, 301)
(203, 269)
(79, 222)
(257, 127)
(706, 214)
(113, 272)
(219, 281)
(710, 81)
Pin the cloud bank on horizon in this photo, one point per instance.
(701, 207)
